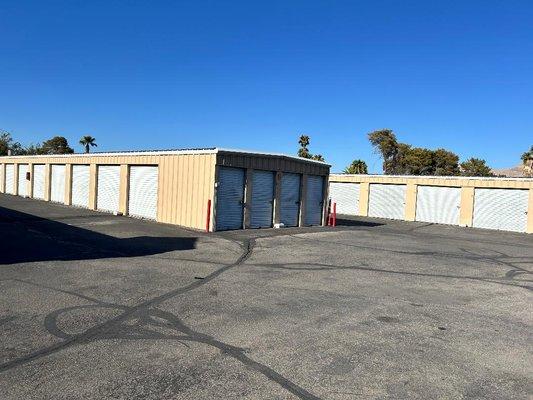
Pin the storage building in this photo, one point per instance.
(479, 202)
(213, 189)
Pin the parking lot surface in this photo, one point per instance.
(94, 306)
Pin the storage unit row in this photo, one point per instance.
(56, 187)
(484, 207)
(210, 189)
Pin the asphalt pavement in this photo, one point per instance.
(95, 306)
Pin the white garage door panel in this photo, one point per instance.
(503, 209)
(80, 185)
(230, 198)
(57, 184)
(38, 181)
(143, 191)
(314, 200)
(23, 182)
(108, 188)
(387, 201)
(346, 196)
(439, 205)
(10, 178)
(290, 199)
(262, 199)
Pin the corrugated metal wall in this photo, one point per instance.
(186, 181)
(467, 187)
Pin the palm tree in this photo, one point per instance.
(527, 160)
(356, 167)
(303, 151)
(88, 141)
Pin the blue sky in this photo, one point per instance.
(256, 75)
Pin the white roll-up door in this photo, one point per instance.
(502, 209)
(38, 181)
(142, 198)
(387, 201)
(57, 184)
(108, 193)
(262, 199)
(22, 181)
(314, 200)
(230, 198)
(10, 178)
(439, 205)
(290, 199)
(346, 196)
(80, 185)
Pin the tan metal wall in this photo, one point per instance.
(467, 186)
(186, 181)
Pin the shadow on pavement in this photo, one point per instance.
(346, 220)
(29, 238)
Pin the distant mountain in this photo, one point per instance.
(514, 172)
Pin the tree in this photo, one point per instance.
(527, 161)
(415, 161)
(402, 159)
(7, 143)
(87, 142)
(446, 163)
(33, 149)
(386, 145)
(56, 145)
(303, 151)
(356, 167)
(475, 167)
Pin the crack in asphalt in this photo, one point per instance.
(148, 314)
(310, 266)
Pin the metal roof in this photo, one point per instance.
(202, 150)
(261, 153)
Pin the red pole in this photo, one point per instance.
(334, 214)
(208, 219)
